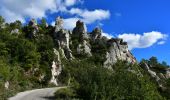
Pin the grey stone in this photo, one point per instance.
(15, 31)
(58, 24)
(56, 68)
(84, 48)
(80, 31)
(34, 25)
(118, 50)
(97, 33)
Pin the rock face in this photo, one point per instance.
(34, 26)
(84, 48)
(158, 77)
(96, 34)
(62, 38)
(167, 73)
(6, 85)
(56, 68)
(15, 31)
(80, 31)
(58, 24)
(118, 50)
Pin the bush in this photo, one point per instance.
(65, 93)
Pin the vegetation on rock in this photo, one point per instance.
(26, 59)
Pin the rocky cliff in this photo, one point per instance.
(116, 50)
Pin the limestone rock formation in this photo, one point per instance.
(58, 24)
(167, 73)
(62, 38)
(15, 31)
(96, 34)
(80, 31)
(157, 76)
(34, 26)
(56, 68)
(84, 48)
(118, 50)
(6, 85)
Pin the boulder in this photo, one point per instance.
(15, 31)
(6, 85)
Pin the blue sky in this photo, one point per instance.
(144, 24)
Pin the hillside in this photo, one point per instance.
(38, 55)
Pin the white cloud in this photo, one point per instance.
(161, 42)
(70, 23)
(70, 2)
(86, 16)
(142, 41)
(90, 16)
(13, 10)
(109, 36)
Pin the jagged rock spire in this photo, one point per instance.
(96, 33)
(58, 24)
(62, 38)
(33, 24)
(80, 31)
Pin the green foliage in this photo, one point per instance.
(94, 82)
(24, 58)
(2, 20)
(66, 93)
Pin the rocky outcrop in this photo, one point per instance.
(56, 68)
(167, 73)
(158, 77)
(15, 31)
(118, 50)
(84, 48)
(58, 24)
(80, 31)
(62, 39)
(96, 34)
(6, 85)
(34, 26)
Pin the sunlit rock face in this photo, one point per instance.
(6, 85)
(96, 33)
(158, 77)
(56, 68)
(33, 24)
(62, 39)
(80, 31)
(118, 50)
(58, 24)
(84, 48)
